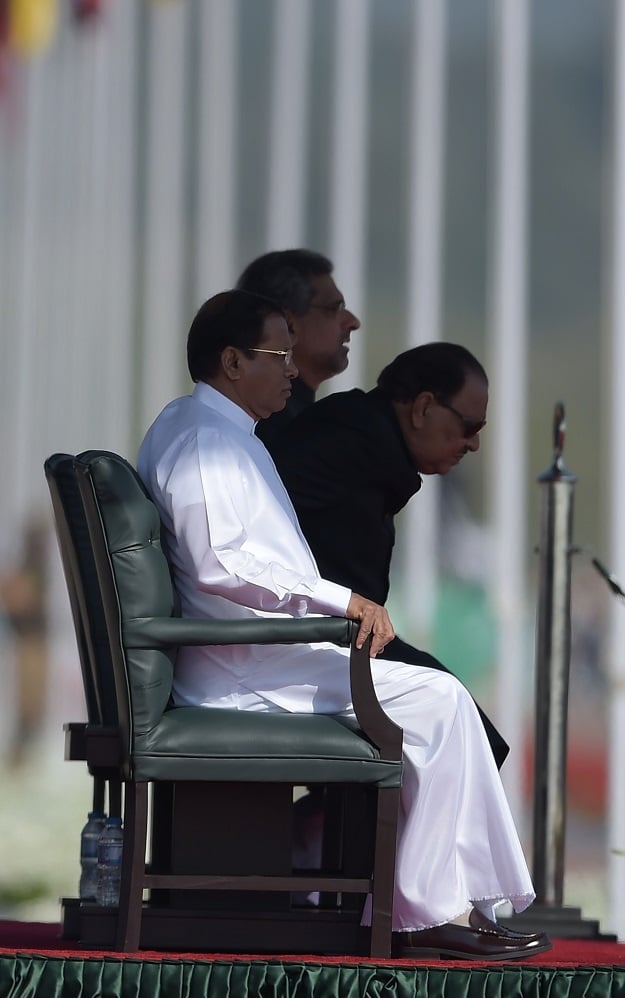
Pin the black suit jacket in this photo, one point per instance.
(347, 471)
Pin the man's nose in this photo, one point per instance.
(291, 370)
(473, 443)
(350, 321)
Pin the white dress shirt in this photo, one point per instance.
(232, 536)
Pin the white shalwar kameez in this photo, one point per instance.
(238, 552)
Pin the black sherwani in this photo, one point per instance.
(346, 468)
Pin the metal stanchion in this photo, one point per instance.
(553, 648)
(553, 652)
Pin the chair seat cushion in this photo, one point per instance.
(203, 743)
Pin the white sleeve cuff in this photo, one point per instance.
(330, 598)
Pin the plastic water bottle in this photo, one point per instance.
(89, 838)
(110, 863)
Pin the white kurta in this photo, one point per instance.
(238, 551)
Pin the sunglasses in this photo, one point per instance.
(470, 427)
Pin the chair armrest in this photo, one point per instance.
(387, 736)
(75, 741)
(164, 632)
(99, 746)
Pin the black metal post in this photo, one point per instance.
(553, 649)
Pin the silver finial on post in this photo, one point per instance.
(559, 433)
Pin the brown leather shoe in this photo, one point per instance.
(481, 939)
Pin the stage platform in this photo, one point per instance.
(36, 963)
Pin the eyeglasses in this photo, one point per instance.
(287, 354)
(335, 307)
(470, 427)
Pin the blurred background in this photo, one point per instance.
(460, 162)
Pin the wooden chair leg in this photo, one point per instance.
(99, 794)
(115, 798)
(161, 826)
(384, 872)
(332, 853)
(160, 818)
(133, 867)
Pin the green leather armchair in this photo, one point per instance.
(226, 777)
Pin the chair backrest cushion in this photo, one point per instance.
(134, 577)
(83, 589)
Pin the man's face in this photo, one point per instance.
(441, 432)
(322, 334)
(265, 379)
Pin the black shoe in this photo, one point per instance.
(481, 939)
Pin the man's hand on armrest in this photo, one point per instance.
(374, 620)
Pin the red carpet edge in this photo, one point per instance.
(42, 938)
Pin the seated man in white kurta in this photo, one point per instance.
(237, 551)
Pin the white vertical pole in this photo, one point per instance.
(349, 167)
(164, 323)
(120, 229)
(287, 143)
(216, 148)
(616, 636)
(21, 428)
(426, 138)
(507, 435)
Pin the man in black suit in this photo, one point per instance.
(354, 459)
(301, 282)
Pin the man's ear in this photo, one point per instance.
(419, 409)
(231, 363)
